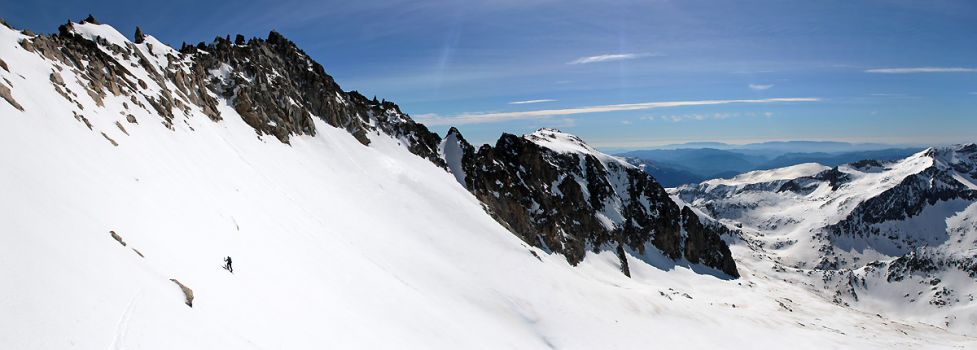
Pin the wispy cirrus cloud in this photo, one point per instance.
(611, 57)
(704, 116)
(760, 87)
(526, 102)
(916, 70)
(478, 118)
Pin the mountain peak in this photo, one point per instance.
(560, 141)
(557, 193)
(90, 19)
(95, 32)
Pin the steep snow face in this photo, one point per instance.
(93, 31)
(335, 244)
(452, 150)
(866, 231)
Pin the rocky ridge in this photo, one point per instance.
(271, 83)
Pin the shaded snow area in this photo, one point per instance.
(335, 245)
(893, 238)
(450, 150)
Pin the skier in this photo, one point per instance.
(227, 264)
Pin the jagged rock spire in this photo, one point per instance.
(139, 37)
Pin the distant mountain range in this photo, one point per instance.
(787, 146)
(673, 167)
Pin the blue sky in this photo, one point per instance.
(621, 74)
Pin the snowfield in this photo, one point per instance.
(335, 245)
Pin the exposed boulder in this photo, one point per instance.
(117, 238)
(90, 19)
(110, 140)
(187, 292)
(5, 93)
(139, 38)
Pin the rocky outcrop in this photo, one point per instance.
(187, 292)
(139, 37)
(555, 192)
(117, 238)
(5, 94)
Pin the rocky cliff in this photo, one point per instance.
(555, 192)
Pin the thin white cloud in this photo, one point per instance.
(752, 71)
(611, 57)
(696, 117)
(477, 118)
(703, 116)
(531, 101)
(760, 86)
(913, 70)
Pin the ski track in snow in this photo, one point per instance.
(123, 327)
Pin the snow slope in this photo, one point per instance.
(335, 244)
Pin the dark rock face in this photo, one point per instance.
(572, 202)
(275, 87)
(139, 37)
(703, 245)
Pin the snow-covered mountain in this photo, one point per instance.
(131, 169)
(561, 195)
(891, 237)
